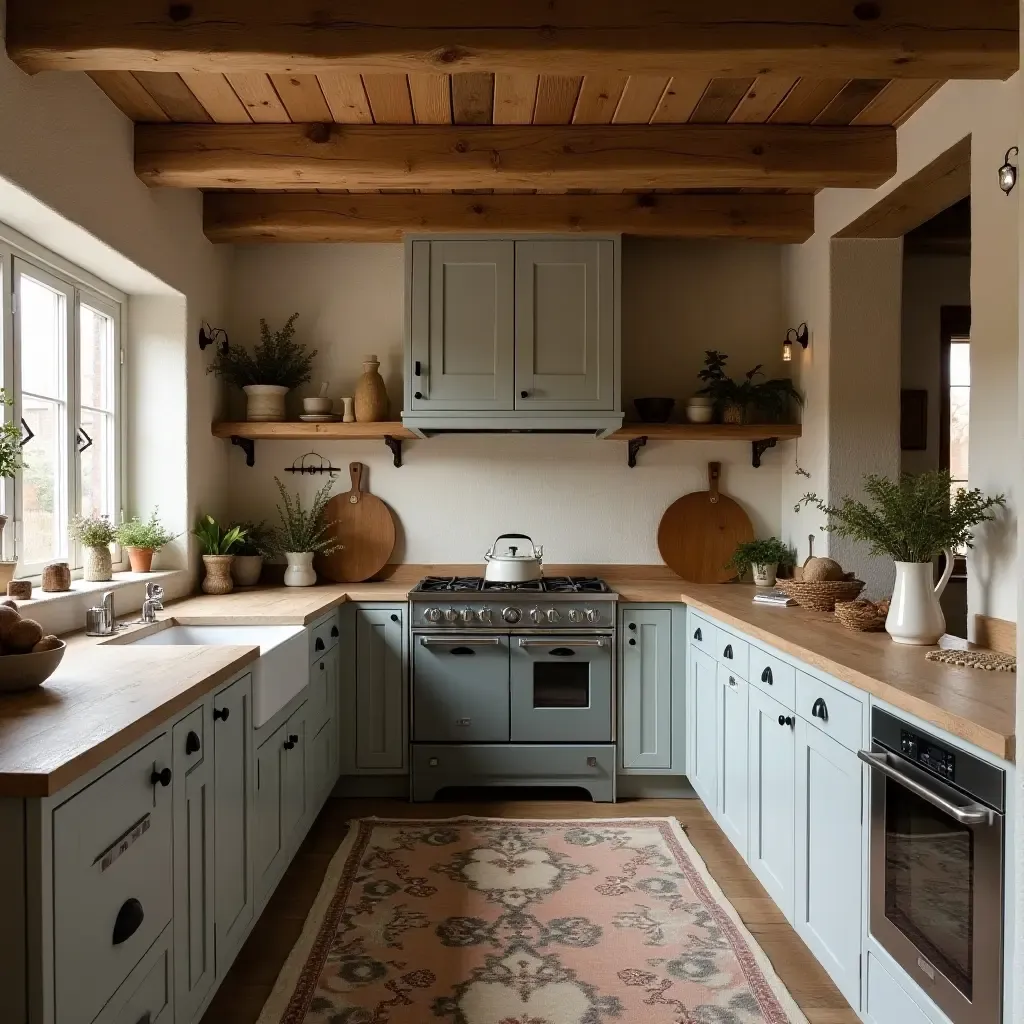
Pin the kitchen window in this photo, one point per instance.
(62, 365)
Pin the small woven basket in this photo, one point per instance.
(821, 596)
(863, 616)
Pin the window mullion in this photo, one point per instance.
(74, 419)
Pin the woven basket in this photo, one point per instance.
(821, 596)
(863, 616)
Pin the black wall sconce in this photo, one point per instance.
(798, 334)
(208, 335)
(1008, 172)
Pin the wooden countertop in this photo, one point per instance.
(977, 706)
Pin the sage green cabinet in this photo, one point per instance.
(322, 759)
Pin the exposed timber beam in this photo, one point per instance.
(604, 158)
(372, 217)
(933, 39)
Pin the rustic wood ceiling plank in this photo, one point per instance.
(852, 99)
(515, 96)
(221, 102)
(346, 98)
(806, 100)
(259, 98)
(599, 96)
(896, 101)
(762, 99)
(127, 93)
(640, 99)
(680, 99)
(556, 98)
(389, 98)
(302, 97)
(173, 95)
(720, 99)
(729, 39)
(431, 98)
(472, 98)
(373, 217)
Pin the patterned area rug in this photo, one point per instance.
(497, 921)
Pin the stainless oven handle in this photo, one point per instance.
(598, 641)
(972, 814)
(461, 641)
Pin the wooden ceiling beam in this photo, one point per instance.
(372, 217)
(604, 158)
(729, 39)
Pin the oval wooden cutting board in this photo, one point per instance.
(699, 532)
(366, 528)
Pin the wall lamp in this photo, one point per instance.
(798, 334)
(208, 335)
(1008, 172)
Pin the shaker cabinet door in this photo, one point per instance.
(268, 838)
(462, 325)
(733, 783)
(565, 325)
(645, 721)
(381, 704)
(702, 716)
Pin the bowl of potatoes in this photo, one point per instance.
(27, 658)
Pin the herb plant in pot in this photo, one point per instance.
(277, 364)
(303, 534)
(218, 546)
(255, 545)
(10, 463)
(142, 539)
(749, 400)
(95, 534)
(763, 558)
(912, 520)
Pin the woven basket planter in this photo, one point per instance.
(862, 616)
(821, 596)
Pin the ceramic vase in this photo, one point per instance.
(246, 570)
(371, 397)
(700, 409)
(141, 559)
(265, 403)
(915, 615)
(98, 567)
(348, 416)
(764, 575)
(218, 574)
(300, 571)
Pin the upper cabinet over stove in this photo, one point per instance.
(512, 334)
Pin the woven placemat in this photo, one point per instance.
(990, 661)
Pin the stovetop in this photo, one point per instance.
(549, 585)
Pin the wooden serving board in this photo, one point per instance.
(363, 524)
(699, 532)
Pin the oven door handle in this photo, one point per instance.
(460, 641)
(597, 641)
(972, 814)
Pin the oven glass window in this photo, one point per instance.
(929, 882)
(561, 684)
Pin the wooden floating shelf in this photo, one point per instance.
(761, 436)
(245, 434)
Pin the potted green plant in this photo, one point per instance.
(768, 401)
(256, 544)
(763, 558)
(95, 534)
(10, 463)
(142, 539)
(303, 534)
(277, 364)
(912, 520)
(218, 546)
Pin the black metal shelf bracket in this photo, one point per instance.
(396, 449)
(758, 448)
(248, 445)
(635, 444)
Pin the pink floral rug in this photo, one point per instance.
(496, 921)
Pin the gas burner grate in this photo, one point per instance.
(527, 587)
(575, 585)
(449, 584)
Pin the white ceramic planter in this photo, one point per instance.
(764, 575)
(300, 571)
(246, 569)
(700, 409)
(265, 403)
(915, 615)
(98, 567)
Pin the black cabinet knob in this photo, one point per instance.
(394, 617)
(698, 635)
(162, 777)
(294, 739)
(192, 743)
(128, 920)
(632, 642)
(766, 676)
(418, 394)
(524, 394)
(632, 625)
(318, 645)
(727, 653)
(221, 714)
(334, 630)
(288, 744)
(785, 719)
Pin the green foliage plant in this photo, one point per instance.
(301, 531)
(277, 359)
(213, 540)
(149, 534)
(10, 441)
(257, 539)
(760, 552)
(768, 398)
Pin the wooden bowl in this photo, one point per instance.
(25, 671)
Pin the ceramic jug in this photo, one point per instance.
(915, 616)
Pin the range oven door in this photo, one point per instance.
(460, 689)
(561, 689)
(936, 873)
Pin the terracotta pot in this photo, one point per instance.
(265, 403)
(141, 559)
(371, 397)
(246, 570)
(218, 574)
(98, 565)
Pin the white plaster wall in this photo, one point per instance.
(573, 494)
(929, 283)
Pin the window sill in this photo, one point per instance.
(80, 589)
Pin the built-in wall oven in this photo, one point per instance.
(936, 866)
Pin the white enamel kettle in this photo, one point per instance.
(511, 566)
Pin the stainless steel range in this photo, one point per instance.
(513, 684)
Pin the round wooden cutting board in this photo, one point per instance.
(699, 532)
(364, 525)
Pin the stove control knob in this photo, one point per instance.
(484, 615)
(511, 615)
(575, 615)
(432, 615)
(467, 615)
(553, 615)
(450, 615)
(593, 615)
(537, 615)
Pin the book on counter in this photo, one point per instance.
(773, 597)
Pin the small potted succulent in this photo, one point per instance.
(142, 539)
(10, 463)
(218, 547)
(763, 557)
(95, 534)
(277, 364)
(303, 534)
(256, 544)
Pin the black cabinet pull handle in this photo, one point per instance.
(294, 739)
(334, 630)
(394, 617)
(766, 676)
(561, 652)
(221, 714)
(288, 744)
(192, 743)
(524, 394)
(318, 644)
(785, 719)
(727, 653)
(128, 920)
(819, 709)
(416, 369)
(322, 669)
(698, 635)
(162, 777)
(632, 642)
(146, 1018)
(462, 652)
(418, 394)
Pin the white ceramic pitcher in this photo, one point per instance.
(915, 615)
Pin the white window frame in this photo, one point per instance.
(81, 287)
